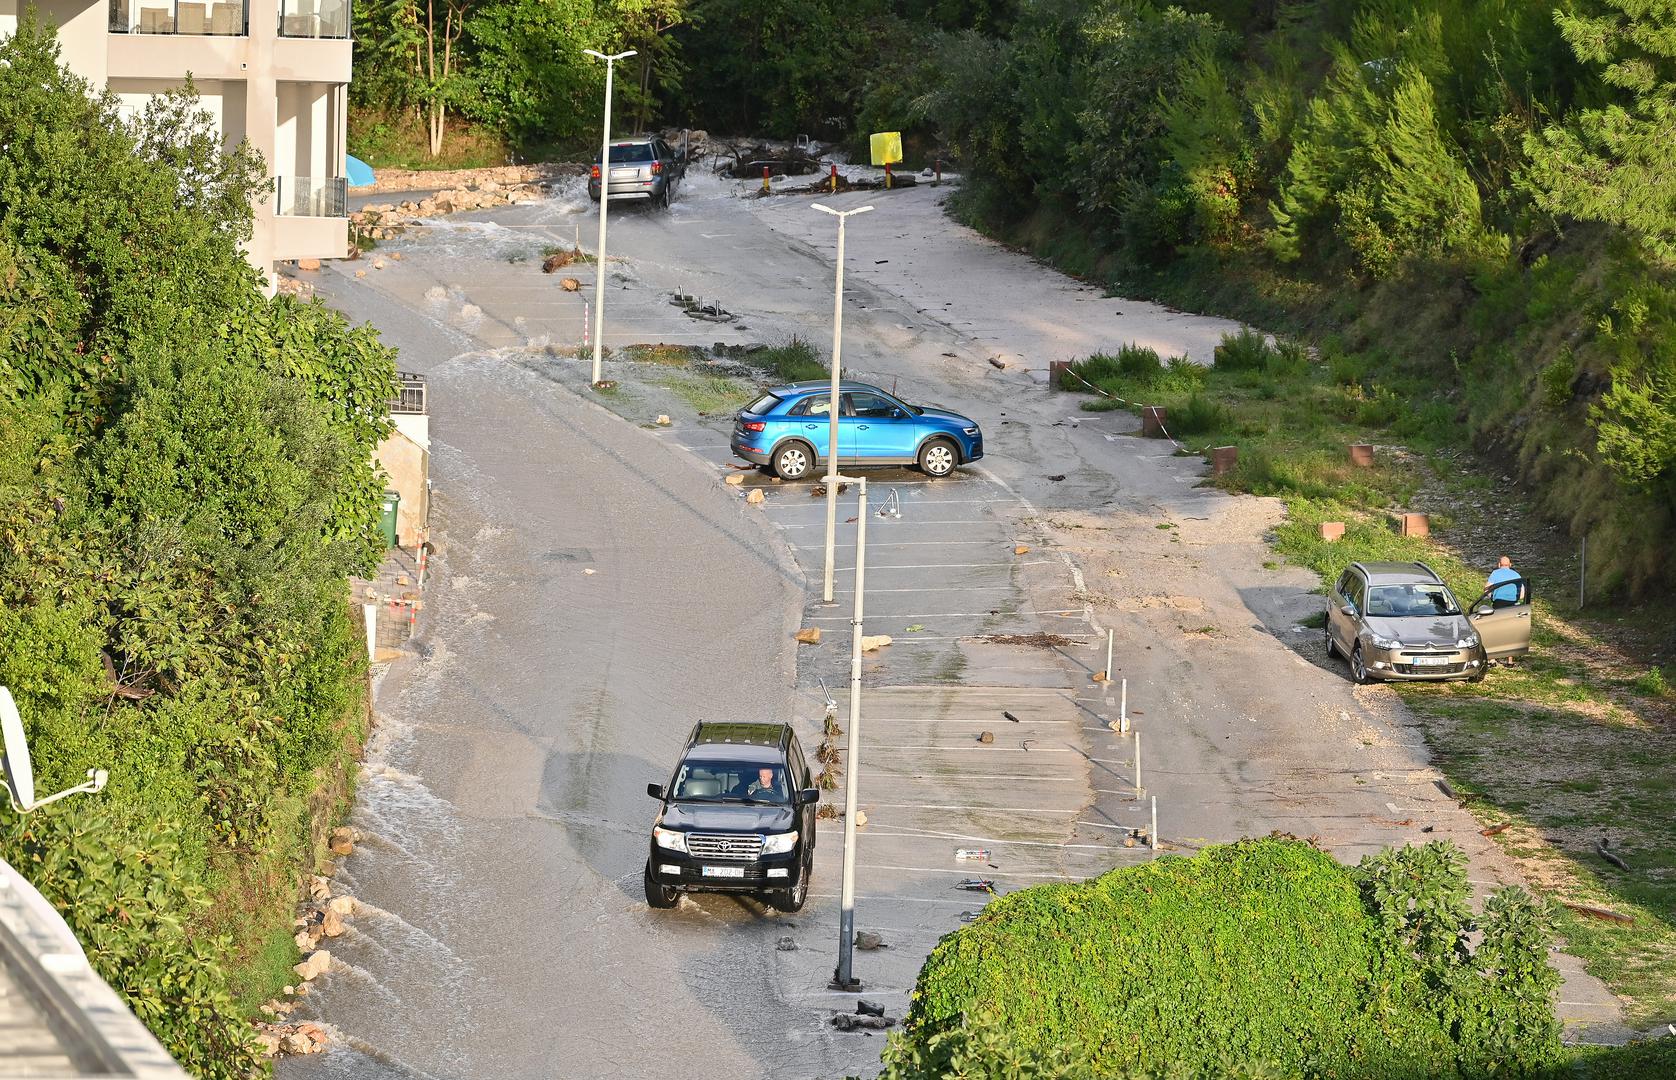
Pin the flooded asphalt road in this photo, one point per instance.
(504, 801)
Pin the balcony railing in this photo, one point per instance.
(314, 18)
(310, 196)
(410, 398)
(222, 18)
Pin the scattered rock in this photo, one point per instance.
(986, 737)
(316, 964)
(809, 635)
(297, 1043)
(308, 264)
(269, 1042)
(378, 264)
(470, 311)
(867, 940)
(863, 1007)
(755, 496)
(872, 642)
(360, 273)
(998, 363)
(319, 888)
(436, 294)
(332, 925)
(570, 284)
(342, 841)
(735, 480)
(343, 905)
(557, 261)
(851, 1022)
(860, 818)
(786, 944)
(305, 940)
(663, 420)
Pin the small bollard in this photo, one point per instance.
(938, 182)
(1152, 419)
(1057, 370)
(1361, 455)
(887, 174)
(765, 179)
(1123, 709)
(835, 178)
(1413, 525)
(1331, 530)
(1223, 459)
(1138, 789)
(1152, 836)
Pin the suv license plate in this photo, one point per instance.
(624, 174)
(1430, 661)
(724, 871)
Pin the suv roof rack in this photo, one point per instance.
(749, 733)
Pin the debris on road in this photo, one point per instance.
(999, 363)
(663, 420)
(852, 1022)
(976, 884)
(986, 737)
(1057, 478)
(559, 260)
(1021, 549)
(972, 853)
(786, 944)
(734, 479)
(916, 628)
(1011, 717)
(1040, 641)
(867, 941)
(864, 1007)
(589, 571)
(872, 642)
(755, 496)
(809, 635)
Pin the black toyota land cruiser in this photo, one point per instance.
(738, 815)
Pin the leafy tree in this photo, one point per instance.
(1613, 163)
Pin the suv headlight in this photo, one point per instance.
(1384, 642)
(1468, 642)
(778, 843)
(672, 839)
(970, 430)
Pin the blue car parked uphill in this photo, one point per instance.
(788, 429)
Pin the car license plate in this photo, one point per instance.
(624, 174)
(1430, 661)
(724, 871)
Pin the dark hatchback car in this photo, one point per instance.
(788, 429)
(738, 815)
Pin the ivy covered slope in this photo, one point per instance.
(1260, 958)
(186, 480)
(1471, 201)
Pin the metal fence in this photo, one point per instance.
(314, 18)
(410, 399)
(221, 18)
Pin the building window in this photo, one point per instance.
(314, 18)
(223, 18)
(310, 196)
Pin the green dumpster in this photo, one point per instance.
(387, 517)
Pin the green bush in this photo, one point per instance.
(1265, 955)
(1198, 416)
(795, 361)
(1247, 350)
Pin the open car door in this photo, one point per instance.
(1503, 626)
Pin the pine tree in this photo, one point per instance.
(1614, 164)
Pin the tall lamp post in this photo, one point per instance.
(843, 977)
(604, 198)
(832, 406)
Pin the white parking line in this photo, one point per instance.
(987, 749)
(974, 808)
(905, 522)
(947, 566)
(966, 873)
(930, 834)
(947, 720)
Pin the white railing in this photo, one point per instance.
(314, 18)
(222, 18)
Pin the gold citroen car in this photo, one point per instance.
(1400, 621)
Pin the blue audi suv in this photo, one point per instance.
(788, 429)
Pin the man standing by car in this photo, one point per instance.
(1507, 595)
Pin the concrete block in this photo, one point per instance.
(1152, 419)
(1056, 368)
(1223, 459)
(1413, 525)
(1331, 530)
(1361, 455)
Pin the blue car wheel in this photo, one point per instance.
(793, 461)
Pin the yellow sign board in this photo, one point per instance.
(886, 146)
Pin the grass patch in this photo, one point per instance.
(795, 361)
(670, 355)
(711, 394)
(399, 141)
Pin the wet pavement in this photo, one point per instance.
(504, 796)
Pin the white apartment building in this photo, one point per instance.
(275, 72)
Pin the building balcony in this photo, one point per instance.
(220, 18)
(311, 196)
(314, 18)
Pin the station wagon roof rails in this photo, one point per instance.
(1437, 577)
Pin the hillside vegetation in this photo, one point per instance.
(1466, 205)
(186, 480)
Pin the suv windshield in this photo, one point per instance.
(762, 404)
(727, 781)
(1397, 601)
(631, 152)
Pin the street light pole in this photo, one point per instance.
(604, 198)
(844, 978)
(832, 406)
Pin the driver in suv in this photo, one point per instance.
(738, 815)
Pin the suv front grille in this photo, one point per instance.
(732, 847)
(1429, 669)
